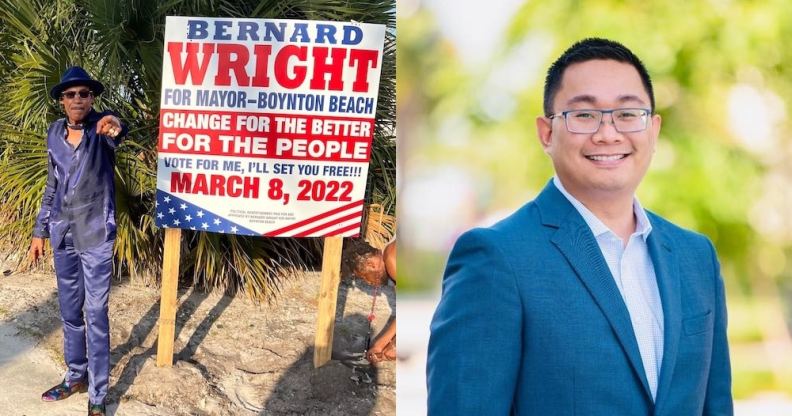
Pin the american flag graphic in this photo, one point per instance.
(174, 212)
(344, 221)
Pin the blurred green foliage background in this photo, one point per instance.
(470, 87)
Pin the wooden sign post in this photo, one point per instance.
(170, 285)
(328, 295)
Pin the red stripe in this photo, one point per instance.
(227, 123)
(236, 114)
(343, 230)
(215, 149)
(312, 219)
(330, 223)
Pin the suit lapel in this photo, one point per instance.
(576, 242)
(580, 248)
(667, 272)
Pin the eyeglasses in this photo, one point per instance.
(625, 120)
(71, 94)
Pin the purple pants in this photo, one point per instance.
(83, 288)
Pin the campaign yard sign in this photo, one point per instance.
(266, 125)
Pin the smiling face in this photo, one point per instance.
(606, 163)
(77, 108)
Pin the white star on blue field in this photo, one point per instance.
(174, 212)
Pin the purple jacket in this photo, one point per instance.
(80, 191)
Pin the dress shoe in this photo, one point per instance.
(96, 409)
(64, 390)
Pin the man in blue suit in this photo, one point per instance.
(78, 216)
(582, 302)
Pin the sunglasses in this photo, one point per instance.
(71, 94)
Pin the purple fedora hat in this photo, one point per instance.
(76, 76)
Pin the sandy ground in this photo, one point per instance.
(231, 357)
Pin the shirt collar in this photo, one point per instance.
(642, 227)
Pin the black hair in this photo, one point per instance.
(587, 50)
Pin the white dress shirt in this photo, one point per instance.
(632, 270)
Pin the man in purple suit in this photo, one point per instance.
(78, 216)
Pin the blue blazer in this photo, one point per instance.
(531, 322)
